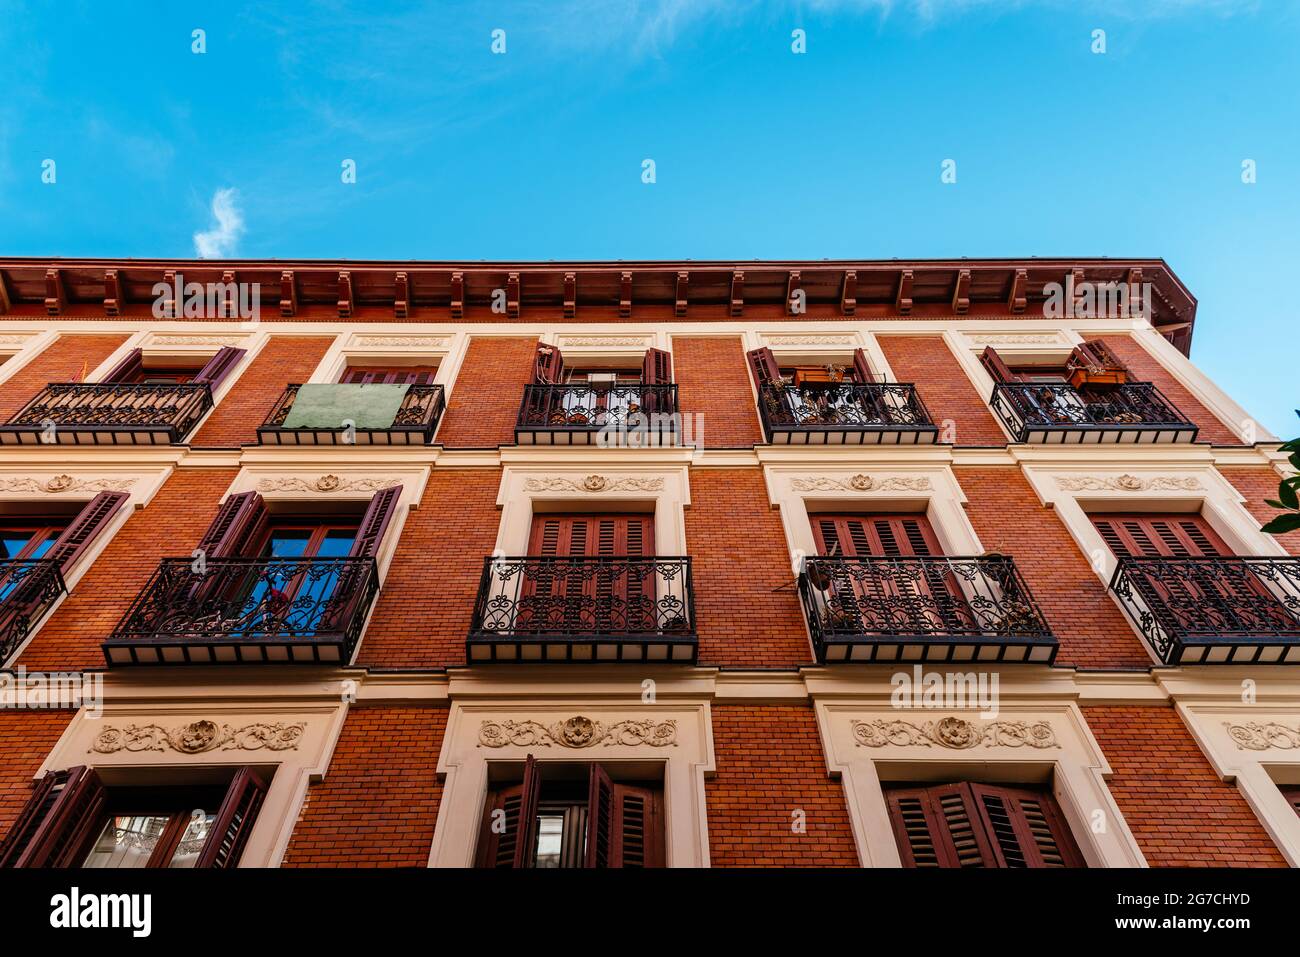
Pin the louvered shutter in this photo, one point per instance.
(239, 519)
(657, 368)
(234, 821)
(128, 368)
(618, 596)
(220, 366)
(498, 850)
(1025, 828)
(938, 827)
(549, 367)
(81, 531)
(58, 821)
(763, 364)
(636, 827)
(995, 366)
(1153, 536)
(380, 511)
(861, 368)
(600, 818)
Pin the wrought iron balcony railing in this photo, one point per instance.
(1210, 610)
(1061, 414)
(922, 609)
(109, 413)
(581, 413)
(415, 423)
(584, 609)
(28, 587)
(845, 413)
(247, 609)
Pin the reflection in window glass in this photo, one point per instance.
(192, 841)
(127, 841)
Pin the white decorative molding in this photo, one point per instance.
(1015, 338)
(199, 737)
(1260, 737)
(66, 483)
(1129, 483)
(594, 483)
(956, 733)
(16, 339)
(423, 342)
(326, 483)
(812, 340)
(578, 732)
(861, 483)
(162, 340)
(604, 340)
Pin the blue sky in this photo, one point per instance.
(760, 152)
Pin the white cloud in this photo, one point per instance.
(219, 242)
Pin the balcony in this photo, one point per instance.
(1059, 414)
(580, 413)
(844, 413)
(28, 587)
(584, 609)
(1214, 610)
(894, 609)
(343, 421)
(109, 413)
(247, 609)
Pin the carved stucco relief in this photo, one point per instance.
(578, 732)
(199, 737)
(956, 733)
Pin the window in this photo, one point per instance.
(29, 540)
(137, 369)
(74, 820)
(965, 824)
(1154, 536)
(573, 815)
(1292, 794)
(389, 375)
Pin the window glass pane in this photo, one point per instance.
(288, 543)
(127, 841)
(337, 543)
(44, 545)
(13, 542)
(192, 841)
(550, 839)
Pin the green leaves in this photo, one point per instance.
(1288, 494)
(1283, 523)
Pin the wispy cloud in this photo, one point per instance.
(219, 242)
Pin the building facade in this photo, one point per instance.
(872, 564)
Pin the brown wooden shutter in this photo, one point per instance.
(939, 827)
(657, 368)
(763, 364)
(57, 822)
(590, 536)
(1025, 827)
(518, 802)
(239, 517)
(862, 368)
(380, 511)
(549, 368)
(600, 817)
(995, 366)
(1096, 354)
(220, 366)
(861, 536)
(1154, 536)
(234, 821)
(81, 531)
(128, 368)
(636, 827)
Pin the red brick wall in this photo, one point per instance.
(1008, 518)
(69, 358)
(378, 802)
(489, 388)
(1257, 484)
(26, 739)
(1178, 809)
(170, 526)
(1146, 368)
(282, 361)
(713, 380)
(423, 612)
(739, 555)
(944, 387)
(770, 764)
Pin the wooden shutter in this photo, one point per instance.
(380, 511)
(57, 822)
(514, 846)
(549, 367)
(220, 366)
(234, 821)
(657, 368)
(862, 368)
(600, 817)
(861, 536)
(591, 536)
(238, 519)
(81, 531)
(979, 825)
(368, 375)
(612, 598)
(625, 823)
(763, 364)
(995, 366)
(1154, 536)
(128, 368)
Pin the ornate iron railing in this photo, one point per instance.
(566, 414)
(1214, 609)
(240, 609)
(1038, 411)
(884, 608)
(28, 587)
(415, 423)
(616, 608)
(886, 411)
(96, 413)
